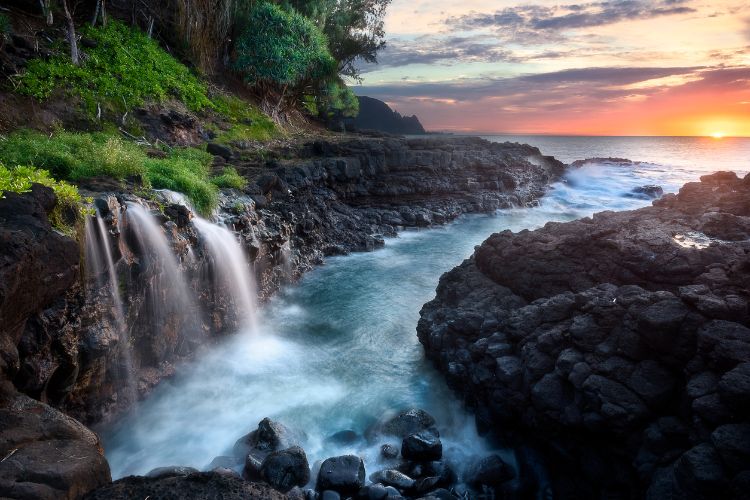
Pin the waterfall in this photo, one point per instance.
(100, 269)
(171, 306)
(230, 269)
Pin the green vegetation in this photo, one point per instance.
(69, 201)
(282, 48)
(248, 122)
(229, 178)
(5, 27)
(125, 68)
(336, 100)
(75, 156)
(185, 171)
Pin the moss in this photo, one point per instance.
(248, 123)
(123, 70)
(229, 178)
(185, 171)
(69, 200)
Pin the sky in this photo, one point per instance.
(617, 67)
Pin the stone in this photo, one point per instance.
(285, 469)
(422, 446)
(219, 150)
(734, 388)
(390, 477)
(162, 472)
(491, 470)
(408, 422)
(344, 474)
(389, 451)
(45, 454)
(198, 486)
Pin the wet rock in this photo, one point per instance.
(422, 446)
(489, 471)
(269, 436)
(45, 454)
(389, 451)
(329, 495)
(177, 470)
(626, 327)
(732, 441)
(198, 486)
(408, 422)
(390, 477)
(648, 191)
(344, 474)
(286, 469)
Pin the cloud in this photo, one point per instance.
(574, 90)
(527, 22)
(430, 49)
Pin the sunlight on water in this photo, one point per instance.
(339, 350)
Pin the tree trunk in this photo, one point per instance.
(74, 56)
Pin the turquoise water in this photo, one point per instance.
(339, 350)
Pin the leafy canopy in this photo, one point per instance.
(282, 48)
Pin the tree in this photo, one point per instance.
(74, 55)
(281, 51)
(354, 28)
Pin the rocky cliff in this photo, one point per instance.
(377, 115)
(60, 339)
(618, 345)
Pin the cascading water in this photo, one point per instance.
(100, 269)
(231, 271)
(171, 304)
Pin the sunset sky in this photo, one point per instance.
(660, 67)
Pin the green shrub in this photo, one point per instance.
(229, 178)
(125, 68)
(282, 47)
(336, 99)
(185, 171)
(20, 179)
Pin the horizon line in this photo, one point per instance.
(552, 134)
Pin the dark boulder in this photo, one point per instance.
(286, 469)
(197, 486)
(408, 422)
(344, 474)
(45, 454)
(219, 150)
(422, 446)
(390, 477)
(162, 472)
(489, 471)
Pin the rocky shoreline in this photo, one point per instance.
(60, 345)
(617, 346)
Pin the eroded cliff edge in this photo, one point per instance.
(618, 345)
(58, 340)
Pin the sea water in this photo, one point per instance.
(339, 351)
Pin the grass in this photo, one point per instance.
(123, 70)
(248, 123)
(69, 200)
(74, 156)
(229, 178)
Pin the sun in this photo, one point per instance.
(718, 135)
